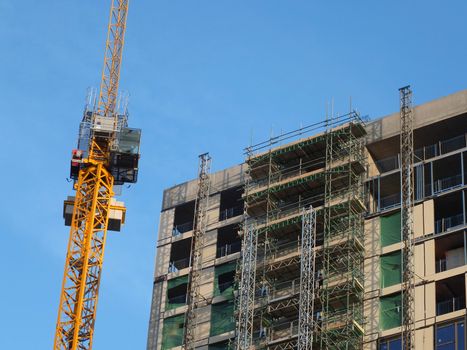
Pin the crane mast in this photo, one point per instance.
(109, 157)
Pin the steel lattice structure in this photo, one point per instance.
(308, 285)
(92, 202)
(246, 298)
(197, 244)
(407, 204)
(341, 295)
(324, 168)
(84, 260)
(113, 58)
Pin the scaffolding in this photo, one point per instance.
(342, 292)
(407, 203)
(324, 171)
(197, 243)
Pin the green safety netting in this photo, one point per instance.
(391, 270)
(172, 332)
(222, 318)
(225, 289)
(180, 300)
(390, 229)
(390, 312)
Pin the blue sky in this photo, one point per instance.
(203, 76)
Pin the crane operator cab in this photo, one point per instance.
(122, 163)
(124, 153)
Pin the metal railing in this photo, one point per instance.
(181, 299)
(284, 249)
(283, 330)
(390, 201)
(388, 164)
(445, 224)
(284, 289)
(182, 228)
(230, 212)
(441, 265)
(423, 153)
(447, 183)
(177, 265)
(228, 249)
(450, 305)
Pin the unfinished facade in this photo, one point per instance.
(303, 245)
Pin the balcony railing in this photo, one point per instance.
(177, 265)
(450, 305)
(228, 249)
(182, 228)
(447, 183)
(445, 224)
(424, 153)
(441, 265)
(387, 164)
(390, 201)
(230, 212)
(181, 299)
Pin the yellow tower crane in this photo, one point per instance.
(107, 156)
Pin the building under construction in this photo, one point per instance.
(345, 234)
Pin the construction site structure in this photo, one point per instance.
(325, 171)
(197, 244)
(309, 281)
(407, 207)
(107, 155)
(304, 244)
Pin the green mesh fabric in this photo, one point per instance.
(224, 289)
(390, 311)
(391, 271)
(222, 318)
(172, 332)
(176, 302)
(390, 229)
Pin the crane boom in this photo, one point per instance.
(95, 170)
(113, 58)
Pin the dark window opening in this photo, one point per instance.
(231, 203)
(223, 345)
(226, 280)
(449, 212)
(449, 252)
(176, 292)
(183, 219)
(450, 295)
(180, 255)
(447, 174)
(228, 241)
(390, 191)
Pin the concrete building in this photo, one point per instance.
(349, 171)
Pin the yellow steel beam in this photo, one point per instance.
(112, 58)
(80, 286)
